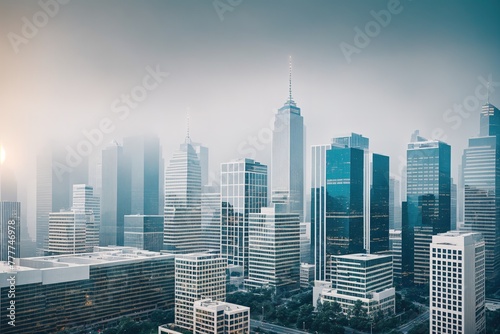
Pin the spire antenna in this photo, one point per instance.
(290, 78)
(188, 139)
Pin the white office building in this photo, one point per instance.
(197, 276)
(215, 317)
(457, 283)
(365, 277)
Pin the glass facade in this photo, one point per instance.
(428, 198)
(379, 204)
(144, 232)
(243, 191)
(182, 228)
(10, 212)
(87, 291)
(288, 158)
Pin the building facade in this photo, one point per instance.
(457, 284)
(10, 230)
(197, 276)
(243, 191)
(144, 232)
(85, 203)
(274, 249)
(428, 198)
(67, 233)
(62, 292)
(216, 317)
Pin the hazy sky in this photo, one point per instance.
(229, 67)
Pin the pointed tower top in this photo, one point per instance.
(290, 79)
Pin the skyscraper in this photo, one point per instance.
(210, 219)
(144, 232)
(197, 276)
(115, 201)
(428, 197)
(54, 182)
(379, 204)
(66, 233)
(182, 229)
(288, 156)
(457, 283)
(481, 180)
(143, 154)
(274, 249)
(85, 203)
(394, 204)
(243, 191)
(202, 153)
(10, 230)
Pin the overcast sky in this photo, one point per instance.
(229, 68)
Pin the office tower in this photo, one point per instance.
(243, 191)
(428, 197)
(460, 197)
(215, 317)
(202, 153)
(197, 276)
(407, 248)
(365, 277)
(305, 242)
(67, 233)
(395, 247)
(115, 200)
(57, 170)
(274, 249)
(306, 275)
(8, 184)
(144, 232)
(210, 219)
(457, 284)
(288, 156)
(394, 204)
(453, 206)
(143, 153)
(481, 173)
(84, 202)
(91, 289)
(182, 226)
(10, 230)
(379, 204)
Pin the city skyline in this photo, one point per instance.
(396, 78)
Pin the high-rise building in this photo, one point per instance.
(407, 248)
(182, 226)
(453, 206)
(395, 247)
(202, 153)
(305, 242)
(210, 220)
(54, 185)
(274, 249)
(10, 230)
(144, 232)
(91, 289)
(243, 191)
(84, 202)
(67, 233)
(379, 204)
(288, 156)
(428, 197)
(394, 204)
(215, 317)
(8, 184)
(457, 283)
(481, 180)
(197, 276)
(143, 154)
(115, 201)
(364, 277)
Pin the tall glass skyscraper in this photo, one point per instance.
(115, 201)
(481, 179)
(428, 198)
(379, 204)
(288, 157)
(182, 232)
(243, 191)
(144, 157)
